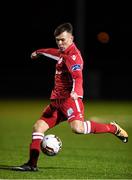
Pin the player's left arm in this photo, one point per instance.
(75, 67)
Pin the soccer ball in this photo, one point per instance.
(51, 145)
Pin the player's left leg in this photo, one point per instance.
(88, 127)
(75, 112)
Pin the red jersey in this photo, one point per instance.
(68, 75)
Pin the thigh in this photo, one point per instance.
(52, 116)
(73, 109)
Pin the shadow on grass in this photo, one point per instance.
(6, 167)
(12, 168)
(50, 168)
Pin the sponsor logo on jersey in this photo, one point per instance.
(69, 112)
(76, 67)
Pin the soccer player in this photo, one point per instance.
(66, 101)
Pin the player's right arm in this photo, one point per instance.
(49, 52)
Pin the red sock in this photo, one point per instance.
(34, 152)
(35, 148)
(102, 128)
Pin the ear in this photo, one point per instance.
(72, 38)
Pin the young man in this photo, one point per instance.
(66, 97)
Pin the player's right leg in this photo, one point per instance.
(46, 121)
(39, 128)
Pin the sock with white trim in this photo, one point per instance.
(35, 148)
(95, 127)
(102, 128)
(87, 127)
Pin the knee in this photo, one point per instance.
(40, 126)
(77, 128)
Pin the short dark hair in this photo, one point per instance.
(63, 27)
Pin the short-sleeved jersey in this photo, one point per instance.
(68, 74)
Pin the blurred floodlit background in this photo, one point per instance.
(102, 32)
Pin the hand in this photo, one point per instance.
(74, 95)
(34, 55)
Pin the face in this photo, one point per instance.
(64, 40)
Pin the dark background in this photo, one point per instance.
(26, 26)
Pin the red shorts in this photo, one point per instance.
(63, 109)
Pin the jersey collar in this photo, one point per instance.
(71, 47)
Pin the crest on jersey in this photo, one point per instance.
(73, 57)
(76, 67)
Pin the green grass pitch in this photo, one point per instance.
(93, 156)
